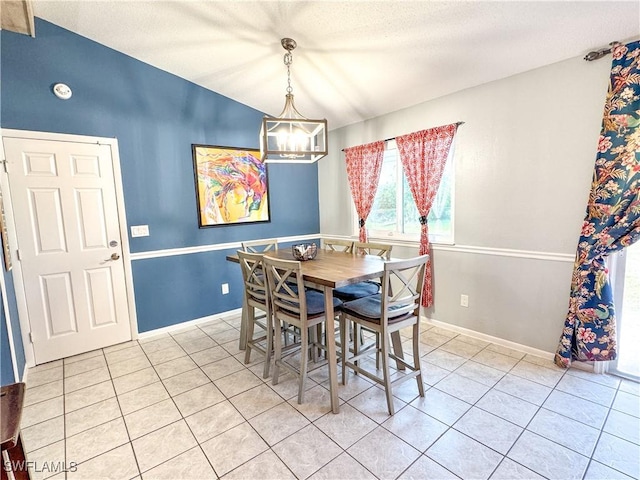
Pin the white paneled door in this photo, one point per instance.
(69, 241)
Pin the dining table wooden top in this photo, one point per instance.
(331, 268)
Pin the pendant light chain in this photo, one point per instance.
(288, 60)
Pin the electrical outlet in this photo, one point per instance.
(464, 301)
(139, 230)
(225, 288)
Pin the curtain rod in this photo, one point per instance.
(393, 138)
(597, 54)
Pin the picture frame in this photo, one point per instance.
(6, 251)
(231, 186)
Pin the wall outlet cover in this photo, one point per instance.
(464, 301)
(139, 230)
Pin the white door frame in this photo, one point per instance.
(13, 240)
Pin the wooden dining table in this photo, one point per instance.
(327, 271)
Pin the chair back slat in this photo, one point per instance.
(260, 246)
(255, 281)
(407, 277)
(368, 248)
(282, 275)
(337, 245)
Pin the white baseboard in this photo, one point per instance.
(180, 326)
(454, 328)
(489, 338)
(24, 373)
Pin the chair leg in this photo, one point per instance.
(344, 345)
(304, 354)
(251, 322)
(416, 358)
(313, 341)
(277, 354)
(322, 334)
(384, 340)
(396, 342)
(286, 333)
(356, 342)
(269, 348)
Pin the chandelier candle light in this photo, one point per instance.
(290, 137)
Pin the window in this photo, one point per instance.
(394, 213)
(624, 275)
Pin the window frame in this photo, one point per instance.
(397, 235)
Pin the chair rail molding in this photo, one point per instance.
(507, 252)
(473, 249)
(171, 252)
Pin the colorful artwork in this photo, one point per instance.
(231, 186)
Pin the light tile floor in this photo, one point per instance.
(185, 406)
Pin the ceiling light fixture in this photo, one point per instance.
(290, 137)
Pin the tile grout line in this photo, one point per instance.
(451, 427)
(595, 446)
(130, 443)
(230, 354)
(182, 418)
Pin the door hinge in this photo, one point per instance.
(4, 165)
(31, 337)
(19, 254)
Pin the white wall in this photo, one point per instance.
(524, 159)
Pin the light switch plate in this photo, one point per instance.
(140, 231)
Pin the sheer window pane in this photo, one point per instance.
(383, 216)
(394, 212)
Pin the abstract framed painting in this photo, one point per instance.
(231, 186)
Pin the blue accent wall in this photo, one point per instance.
(15, 321)
(156, 117)
(6, 363)
(172, 277)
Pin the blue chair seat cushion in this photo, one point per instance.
(356, 291)
(315, 303)
(370, 308)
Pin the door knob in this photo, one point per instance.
(114, 256)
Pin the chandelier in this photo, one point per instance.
(291, 137)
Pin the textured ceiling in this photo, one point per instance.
(355, 59)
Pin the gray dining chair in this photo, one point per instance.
(291, 304)
(364, 289)
(256, 297)
(260, 246)
(386, 313)
(337, 245)
(368, 287)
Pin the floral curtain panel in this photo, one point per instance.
(364, 164)
(612, 221)
(423, 155)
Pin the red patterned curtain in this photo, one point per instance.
(423, 155)
(364, 163)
